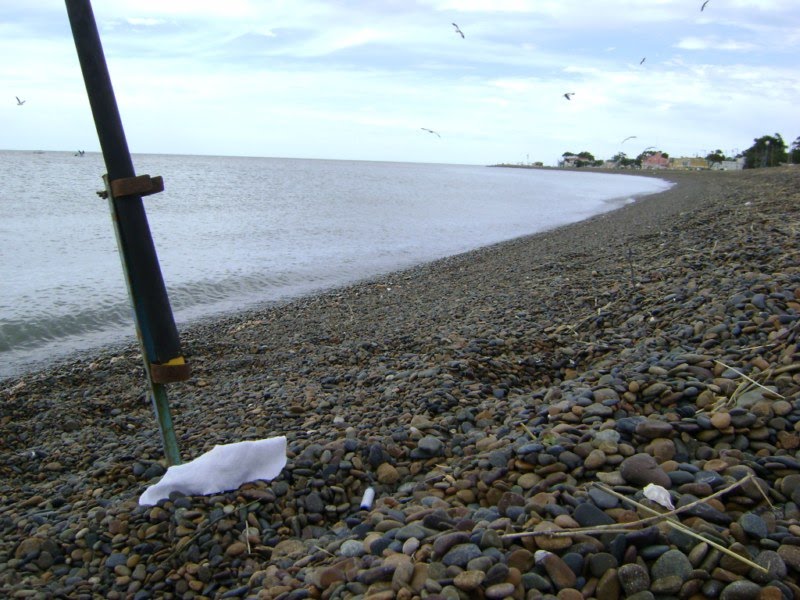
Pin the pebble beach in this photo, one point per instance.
(508, 407)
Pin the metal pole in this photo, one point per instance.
(155, 325)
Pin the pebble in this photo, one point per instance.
(482, 399)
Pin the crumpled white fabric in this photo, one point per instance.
(223, 468)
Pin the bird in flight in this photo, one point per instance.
(430, 131)
(568, 94)
(630, 137)
(19, 102)
(641, 62)
(703, 6)
(458, 31)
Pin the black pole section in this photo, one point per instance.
(154, 318)
(155, 326)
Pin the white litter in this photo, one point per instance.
(659, 495)
(367, 498)
(223, 468)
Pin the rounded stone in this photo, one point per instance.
(641, 469)
(741, 590)
(499, 591)
(633, 578)
(672, 562)
(461, 554)
(469, 580)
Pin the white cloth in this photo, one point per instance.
(221, 469)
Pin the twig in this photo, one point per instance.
(750, 379)
(246, 529)
(613, 527)
(683, 528)
(528, 431)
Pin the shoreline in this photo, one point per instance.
(40, 337)
(62, 357)
(419, 383)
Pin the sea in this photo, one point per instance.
(235, 233)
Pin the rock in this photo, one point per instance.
(469, 581)
(641, 469)
(633, 578)
(741, 590)
(387, 474)
(672, 563)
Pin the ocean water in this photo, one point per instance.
(232, 233)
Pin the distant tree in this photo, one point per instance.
(643, 156)
(621, 160)
(717, 156)
(766, 151)
(586, 159)
(794, 155)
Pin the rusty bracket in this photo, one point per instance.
(170, 372)
(141, 185)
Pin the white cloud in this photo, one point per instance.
(710, 43)
(319, 78)
(146, 22)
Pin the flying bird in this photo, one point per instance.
(703, 6)
(641, 62)
(630, 137)
(458, 31)
(568, 94)
(430, 131)
(19, 102)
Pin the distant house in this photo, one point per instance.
(729, 165)
(655, 161)
(569, 160)
(694, 163)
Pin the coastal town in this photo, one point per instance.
(766, 151)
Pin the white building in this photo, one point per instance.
(729, 165)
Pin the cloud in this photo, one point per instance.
(313, 78)
(144, 22)
(713, 43)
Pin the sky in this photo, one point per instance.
(364, 79)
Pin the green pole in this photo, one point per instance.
(155, 325)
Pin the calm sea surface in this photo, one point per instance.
(233, 232)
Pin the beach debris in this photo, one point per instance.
(659, 495)
(367, 498)
(225, 467)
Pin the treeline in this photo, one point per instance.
(766, 151)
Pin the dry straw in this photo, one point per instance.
(657, 517)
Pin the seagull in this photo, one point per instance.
(19, 102)
(641, 62)
(430, 131)
(458, 31)
(568, 94)
(703, 6)
(630, 137)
